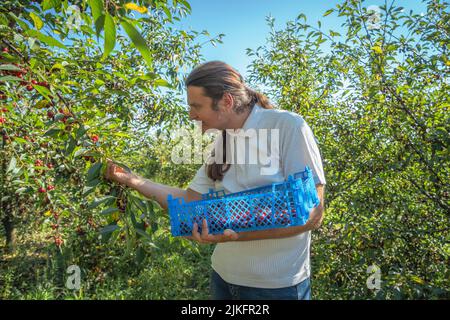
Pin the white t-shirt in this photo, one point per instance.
(268, 263)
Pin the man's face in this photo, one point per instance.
(201, 109)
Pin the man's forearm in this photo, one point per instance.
(272, 233)
(289, 231)
(155, 191)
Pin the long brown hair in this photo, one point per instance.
(217, 78)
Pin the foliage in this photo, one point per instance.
(86, 80)
(376, 94)
(82, 81)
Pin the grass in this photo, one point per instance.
(178, 270)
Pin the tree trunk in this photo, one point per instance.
(6, 209)
(10, 232)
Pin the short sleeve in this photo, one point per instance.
(201, 182)
(299, 149)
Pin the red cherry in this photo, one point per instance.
(94, 138)
(50, 166)
(39, 163)
(34, 82)
(50, 114)
(2, 120)
(5, 50)
(5, 110)
(43, 84)
(42, 190)
(59, 241)
(30, 87)
(50, 188)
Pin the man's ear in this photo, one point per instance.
(227, 102)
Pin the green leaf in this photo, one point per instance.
(43, 91)
(97, 15)
(21, 23)
(87, 190)
(45, 39)
(148, 239)
(57, 66)
(110, 228)
(48, 4)
(110, 35)
(93, 183)
(12, 164)
(96, 8)
(81, 131)
(168, 13)
(94, 171)
(186, 4)
(96, 203)
(21, 190)
(377, 49)
(38, 24)
(58, 117)
(109, 211)
(132, 216)
(99, 24)
(99, 82)
(140, 255)
(138, 41)
(21, 140)
(79, 151)
(328, 12)
(9, 67)
(52, 132)
(10, 78)
(334, 34)
(139, 203)
(161, 83)
(149, 76)
(135, 7)
(70, 146)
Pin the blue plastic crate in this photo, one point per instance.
(276, 205)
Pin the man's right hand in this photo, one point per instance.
(116, 173)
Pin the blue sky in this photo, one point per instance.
(244, 22)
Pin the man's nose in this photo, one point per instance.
(192, 115)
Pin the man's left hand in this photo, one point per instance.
(206, 237)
